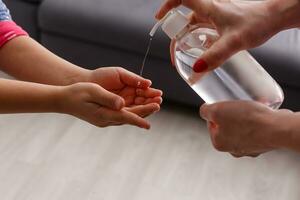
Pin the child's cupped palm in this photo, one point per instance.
(135, 90)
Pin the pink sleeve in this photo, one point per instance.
(9, 30)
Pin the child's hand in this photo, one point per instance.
(134, 89)
(94, 104)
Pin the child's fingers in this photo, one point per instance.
(144, 110)
(140, 100)
(106, 98)
(129, 100)
(148, 93)
(125, 117)
(133, 100)
(157, 100)
(144, 101)
(133, 80)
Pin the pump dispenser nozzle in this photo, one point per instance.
(155, 27)
(172, 23)
(160, 22)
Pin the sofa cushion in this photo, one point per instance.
(280, 57)
(32, 1)
(118, 23)
(125, 25)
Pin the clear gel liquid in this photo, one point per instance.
(240, 78)
(146, 56)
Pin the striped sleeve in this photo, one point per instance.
(8, 28)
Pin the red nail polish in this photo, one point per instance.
(200, 66)
(213, 125)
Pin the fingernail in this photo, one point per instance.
(156, 111)
(200, 66)
(161, 100)
(147, 128)
(150, 82)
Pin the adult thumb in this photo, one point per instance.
(217, 54)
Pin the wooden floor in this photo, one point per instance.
(57, 157)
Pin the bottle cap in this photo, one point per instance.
(174, 23)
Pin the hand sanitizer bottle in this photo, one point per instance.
(240, 78)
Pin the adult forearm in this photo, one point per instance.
(286, 13)
(25, 97)
(292, 139)
(27, 60)
(285, 130)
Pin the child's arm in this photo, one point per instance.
(24, 97)
(27, 60)
(87, 101)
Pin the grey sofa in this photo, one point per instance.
(94, 33)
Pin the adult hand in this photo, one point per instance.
(94, 104)
(245, 128)
(240, 24)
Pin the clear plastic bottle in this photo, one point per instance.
(240, 78)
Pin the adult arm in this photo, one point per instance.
(240, 24)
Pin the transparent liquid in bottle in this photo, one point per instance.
(239, 78)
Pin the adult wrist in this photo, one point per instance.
(284, 14)
(293, 141)
(275, 14)
(283, 129)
